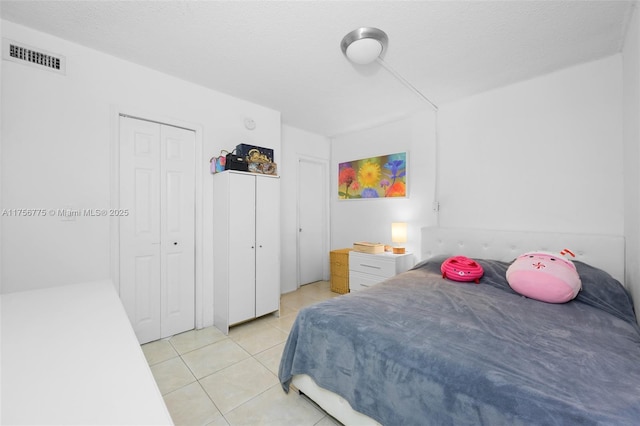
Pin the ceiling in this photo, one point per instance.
(286, 54)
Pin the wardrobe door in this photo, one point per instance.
(267, 274)
(242, 251)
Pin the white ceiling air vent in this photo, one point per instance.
(27, 55)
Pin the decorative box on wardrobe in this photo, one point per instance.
(246, 247)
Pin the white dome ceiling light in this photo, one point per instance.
(366, 45)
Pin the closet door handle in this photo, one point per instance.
(175, 243)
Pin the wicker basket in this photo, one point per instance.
(339, 260)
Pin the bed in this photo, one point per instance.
(418, 349)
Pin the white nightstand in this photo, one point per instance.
(366, 270)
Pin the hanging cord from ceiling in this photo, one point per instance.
(404, 81)
(393, 72)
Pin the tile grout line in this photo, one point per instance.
(308, 298)
(197, 380)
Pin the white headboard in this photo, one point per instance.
(603, 251)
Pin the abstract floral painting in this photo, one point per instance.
(377, 177)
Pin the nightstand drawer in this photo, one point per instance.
(380, 265)
(359, 281)
(366, 270)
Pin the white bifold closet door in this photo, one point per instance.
(157, 237)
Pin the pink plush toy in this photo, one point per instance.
(461, 268)
(545, 276)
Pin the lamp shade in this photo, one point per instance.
(399, 232)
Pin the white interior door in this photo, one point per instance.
(177, 209)
(157, 238)
(311, 221)
(140, 230)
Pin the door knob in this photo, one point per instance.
(175, 243)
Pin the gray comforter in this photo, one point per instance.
(419, 349)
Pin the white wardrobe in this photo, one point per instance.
(246, 247)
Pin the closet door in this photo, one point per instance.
(177, 209)
(157, 239)
(140, 258)
(267, 245)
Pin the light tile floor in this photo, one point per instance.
(207, 378)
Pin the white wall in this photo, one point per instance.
(57, 138)
(370, 219)
(631, 81)
(296, 143)
(1, 186)
(544, 154)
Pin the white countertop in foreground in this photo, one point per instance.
(70, 356)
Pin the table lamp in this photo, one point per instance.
(398, 235)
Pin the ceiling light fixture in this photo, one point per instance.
(365, 45)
